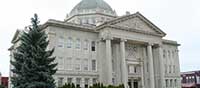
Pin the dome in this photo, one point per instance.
(91, 5)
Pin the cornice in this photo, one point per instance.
(89, 14)
(150, 23)
(132, 30)
(170, 42)
(62, 24)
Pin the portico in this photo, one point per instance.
(132, 69)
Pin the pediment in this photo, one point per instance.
(136, 22)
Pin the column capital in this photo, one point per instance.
(123, 40)
(158, 45)
(108, 37)
(150, 44)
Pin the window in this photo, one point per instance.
(85, 45)
(174, 69)
(135, 69)
(175, 83)
(85, 64)
(86, 21)
(164, 54)
(113, 80)
(131, 69)
(94, 65)
(93, 21)
(86, 82)
(60, 63)
(187, 80)
(193, 79)
(60, 81)
(198, 80)
(173, 55)
(170, 68)
(166, 82)
(78, 82)
(61, 42)
(169, 54)
(81, 21)
(78, 43)
(93, 46)
(94, 80)
(69, 42)
(77, 64)
(68, 63)
(165, 68)
(171, 83)
(69, 80)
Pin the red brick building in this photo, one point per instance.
(190, 79)
(4, 81)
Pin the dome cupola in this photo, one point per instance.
(92, 6)
(91, 12)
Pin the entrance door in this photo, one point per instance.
(129, 84)
(135, 84)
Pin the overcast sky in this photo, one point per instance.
(180, 19)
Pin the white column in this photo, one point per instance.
(90, 83)
(82, 84)
(109, 60)
(142, 74)
(162, 84)
(124, 66)
(132, 83)
(151, 67)
(100, 57)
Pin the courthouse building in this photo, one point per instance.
(93, 44)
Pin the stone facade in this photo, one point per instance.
(127, 50)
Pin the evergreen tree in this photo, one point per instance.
(1, 86)
(33, 63)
